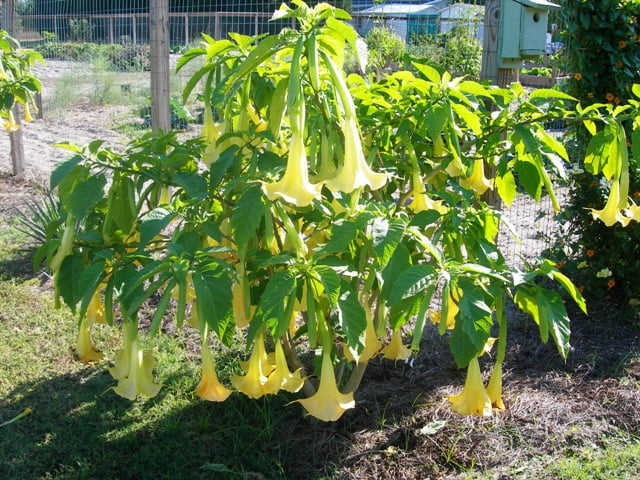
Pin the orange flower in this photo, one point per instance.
(610, 96)
(611, 283)
(617, 100)
(578, 76)
(590, 253)
(590, 94)
(622, 44)
(636, 195)
(581, 288)
(560, 264)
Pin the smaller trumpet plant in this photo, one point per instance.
(323, 213)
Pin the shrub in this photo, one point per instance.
(385, 48)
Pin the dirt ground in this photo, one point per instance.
(402, 427)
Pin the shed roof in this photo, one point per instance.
(400, 9)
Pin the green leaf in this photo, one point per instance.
(331, 283)
(193, 184)
(69, 280)
(471, 119)
(548, 311)
(89, 281)
(435, 119)
(550, 94)
(212, 286)
(398, 263)
(386, 235)
(273, 302)
(62, 169)
(153, 223)
(351, 318)
(473, 324)
(161, 307)
(121, 207)
(247, 215)
(571, 289)
(529, 178)
(598, 149)
(412, 281)
(85, 195)
(507, 187)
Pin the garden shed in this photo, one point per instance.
(405, 20)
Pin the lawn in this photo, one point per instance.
(573, 420)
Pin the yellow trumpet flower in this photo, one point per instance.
(85, 350)
(476, 181)
(371, 345)
(328, 403)
(282, 378)
(27, 114)
(211, 132)
(210, 387)
(396, 349)
(10, 125)
(139, 377)
(612, 211)
(421, 201)
(256, 371)
(633, 212)
(355, 172)
(66, 244)
(474, 398)
(95, 309)
(294, 187)
(494, 389)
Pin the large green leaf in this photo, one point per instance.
(351, 318)
(62, 169)
(247, 215)
(386, 235)
(398, 263)
(153, 223)
(213, 299)
(548, 311)
(330, 282)
(273, 302)
(69, 280)
(412, 281)
(529, 178)
(85, 195)
(473, 324)
(122, 203)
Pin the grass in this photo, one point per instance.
(78, 428)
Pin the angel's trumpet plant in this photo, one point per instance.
(252, 383)
(294, 187)
(396, 349)
(473, 400)
(328, 403)
(138, 379)
(210, 388)
(476, 181)
(282, 378)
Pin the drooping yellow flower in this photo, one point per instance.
(256, 375)
(396, 349)
(494, 389)
(95, 309)
(355, 172)
(139, 379)
(282, 378)
(421, 200)
(210, 387)
(27, 113)
(473, 400)
(294, 187)
(476, 181)
(66, 244)
(328, 403)
(211, 132)
(10, 125)
(612, 211)
(85, 350)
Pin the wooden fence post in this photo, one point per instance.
(15, 137)
(159, 36)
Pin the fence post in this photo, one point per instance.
(15, 137)
(159, 33)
